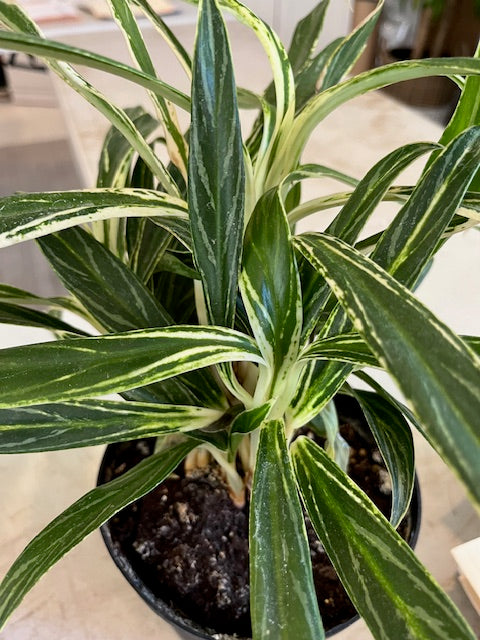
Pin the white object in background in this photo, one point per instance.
(101, 10)
(467, 557)
(49, 10)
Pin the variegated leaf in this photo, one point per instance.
(388, 585)
(349, 50)
(216, 186)
(117, 153)
(270, 286)
(50, 427)
(91, 367)
(437, 373)
(351, 219)
(348, 347)
(394, 439)
(106, 287)
(81, 518)
(33, 215)
(282, 594)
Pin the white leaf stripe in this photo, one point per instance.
(91, 367)
(388, 585)
(80, 519)
(283, 598)
(52, 427)
(27, 216)
(406, 337)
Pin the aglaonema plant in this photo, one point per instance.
(224, 332)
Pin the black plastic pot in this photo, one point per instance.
(189, 628)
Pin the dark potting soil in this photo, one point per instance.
(189, 542)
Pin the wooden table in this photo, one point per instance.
(84, 597)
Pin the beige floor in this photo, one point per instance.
(86, 576)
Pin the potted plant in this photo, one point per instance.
(226, 333)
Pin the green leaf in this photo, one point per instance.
(17, 296)
(375, 565)
(105, 286)
(90, 367)
(348, 347)
(306, 81)
(216, 191)
(305, 37)
(394, 439)
(50, 427)
(282, 594)
(409, 242)
(80, 519)
(32, 215)
(16, 314)
(467, 114)
(117, 153)
(269, 285)
(248, 421)
(175, 45)
(349, 50)
(434, 369)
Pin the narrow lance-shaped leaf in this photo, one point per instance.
(216, 172)
(282, 593)
(91, 367)
(349, 50)
(23, 316)
(32, 215)
(434, 369)
(394, 439)
(415, 233)
(467, 114)
(80, 519)
(105, 286)
(347, 347)
(374, 564)
(50, 427)
(270, 285)
(117, 153)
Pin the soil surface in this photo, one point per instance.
(189, 542)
